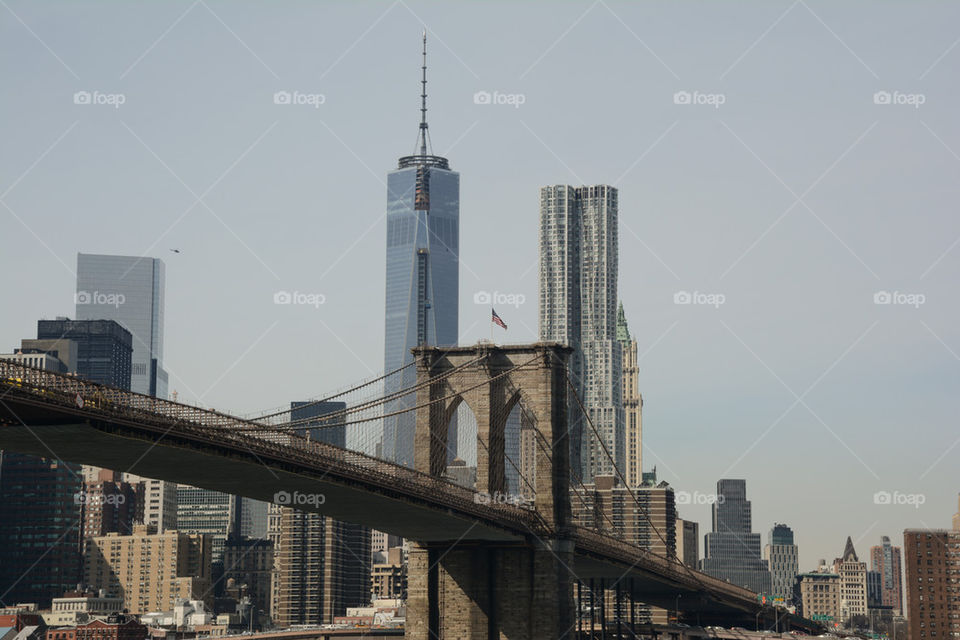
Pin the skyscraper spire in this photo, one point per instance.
(422, 150)
(423, 100)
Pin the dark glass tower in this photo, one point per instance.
(321, 430)
(104, 348)
(423, 274)
(732, 550)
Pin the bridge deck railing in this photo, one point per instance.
(610, 547)
(172, 417)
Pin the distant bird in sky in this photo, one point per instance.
(175, 250)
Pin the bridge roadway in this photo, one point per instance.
(60, 416)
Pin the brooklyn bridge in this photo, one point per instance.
(478, 568)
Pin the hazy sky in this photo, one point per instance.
(791, 189)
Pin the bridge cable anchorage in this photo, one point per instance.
(692, 574)
(334, 396)
(364, 405)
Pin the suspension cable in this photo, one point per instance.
(643, 509)
(336, 395)
(326, 417)
(372, 403)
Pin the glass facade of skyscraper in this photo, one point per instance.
(130, 290)
(331, 430)
(732, 550)
(423, 281)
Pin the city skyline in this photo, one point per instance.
(775, 335)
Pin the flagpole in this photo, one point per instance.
(491, 325)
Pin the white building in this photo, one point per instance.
(853, 583)
(578, 307)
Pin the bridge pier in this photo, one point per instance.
(480, 591)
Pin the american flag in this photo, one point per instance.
(496, 319)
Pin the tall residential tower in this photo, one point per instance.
(423, 273)
(885, 559)
(578, 307)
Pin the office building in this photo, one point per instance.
(578, 307)
(381, 543)
(110, 505)
(159, 502)
(783, 561)
(248, 564)
(321, 567)
(853, 583)
(886, 561)
(422, 274)
(331, 430)
(39, 527)
(129, 290)
(688, 542)
(104, 348)
(212, 513)
(732, 550)
(874, 594)
(632, 401)
(78, 607)
(645, 516)
(956, 517)
(932, 559)
(37, 360)
(820, 596)
(388, 579)
(149, 570)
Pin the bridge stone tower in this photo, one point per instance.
(520, 589)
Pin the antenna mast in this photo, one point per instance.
(423, 100)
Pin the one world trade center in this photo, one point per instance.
(422, 275)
